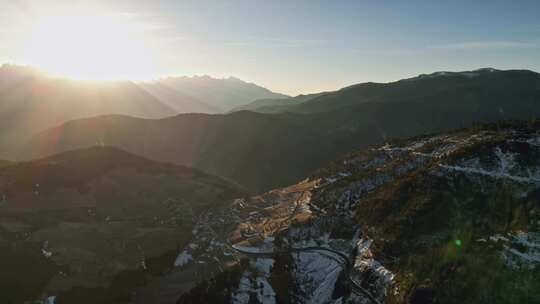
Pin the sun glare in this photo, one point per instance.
(90, 47)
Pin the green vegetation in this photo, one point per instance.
(435, 232)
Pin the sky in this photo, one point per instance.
(289, 46)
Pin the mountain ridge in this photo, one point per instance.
(222, 93)
(32, 101)
(310, 103)
(262, 151)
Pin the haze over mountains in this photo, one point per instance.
(261, 151)
(401, 166)
(222, 94)
(31, 101)
(97, 204)
(275, 105)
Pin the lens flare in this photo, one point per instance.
(94, 47)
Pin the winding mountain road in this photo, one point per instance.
(343, 259)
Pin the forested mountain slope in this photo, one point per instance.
(262, 151)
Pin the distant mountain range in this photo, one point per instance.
(476, 86)
(275, 105)
(180, 102)
(261, 151)
(221, 94)
(107, 213)
(31, 101)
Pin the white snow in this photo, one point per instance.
(365, 262)
(45, 250)
(525, 256)
(241, 296)
(263, 265)
(429, 155)
(506, 168)
(528, 243)
(445, 145)
(46, 253)
(143, 263)
(256, 282)
(265, 292)
(529, 254)
(529, 239)
(260, 287)
(495, 174)
(410, 148)
(182, 259)
(507, 161)
(249, 249)
(331, 180)
(345, 174)
(267, 247)
(340, 175)
(535, 141)
(316, 275)
(498, 237)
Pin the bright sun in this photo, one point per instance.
(92, 47)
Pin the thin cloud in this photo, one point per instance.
(174, 39)
(134, 15)
(277, 43)
(129, 15)
(480, 45)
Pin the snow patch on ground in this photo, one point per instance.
(263, 265)
(495, 174)
(498, 237)
(265, 292)
(182, 259)
(45, 250)
(241, 295)
(443, 146)
(339, 176)
(249, 249)
(380, 278)
(505, 168)
(316, 276)
(535, 141)
(521, 249)
(255, 282)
